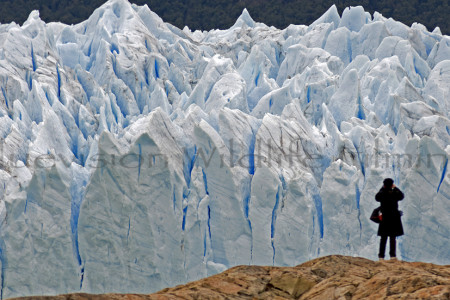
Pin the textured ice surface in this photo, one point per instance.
(136, 155)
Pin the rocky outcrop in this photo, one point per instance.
(331, 277)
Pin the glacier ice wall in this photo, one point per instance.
(136, 155)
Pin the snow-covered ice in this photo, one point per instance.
(136, 155)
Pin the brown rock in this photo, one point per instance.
(331, 277)
(292, 283)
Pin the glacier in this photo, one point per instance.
(136, 155)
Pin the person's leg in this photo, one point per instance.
(382, 246)
(392, 246)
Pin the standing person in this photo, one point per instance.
(391, 223)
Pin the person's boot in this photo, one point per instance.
(394, 258)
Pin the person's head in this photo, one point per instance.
(388, 182)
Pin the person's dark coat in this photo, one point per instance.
(391, 224)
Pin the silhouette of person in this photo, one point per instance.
(391, 223)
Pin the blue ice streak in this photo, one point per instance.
(443, 175)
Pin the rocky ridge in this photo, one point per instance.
(330, 277)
